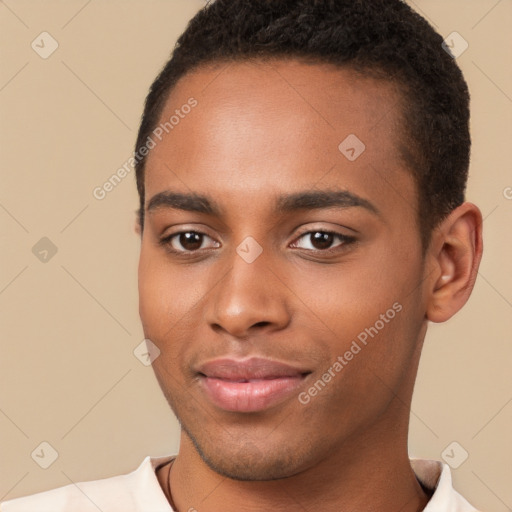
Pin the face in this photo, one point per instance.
(280, 273)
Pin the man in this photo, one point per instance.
(301, 167)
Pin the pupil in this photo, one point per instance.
(188, 239)
(322, 240)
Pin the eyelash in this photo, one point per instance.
(346, 241)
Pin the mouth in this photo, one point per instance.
(249, 385)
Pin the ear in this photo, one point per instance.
(455, 253)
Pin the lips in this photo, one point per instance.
(249, 385)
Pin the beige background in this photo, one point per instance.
(68, 374)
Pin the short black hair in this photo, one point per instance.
(378, 38)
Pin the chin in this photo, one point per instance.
(250, 468)
(243, 460)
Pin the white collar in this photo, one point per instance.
(434, 475)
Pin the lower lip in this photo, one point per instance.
(252, 396)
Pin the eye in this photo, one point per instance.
(188, 242)
(185, 241)
(321, 240)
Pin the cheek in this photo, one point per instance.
(350, 296)
(372, 298)
(160, 294)
(169, 296)
(163, 310)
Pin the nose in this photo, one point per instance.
(251, 297)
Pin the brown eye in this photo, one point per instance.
(190, 241)
(185, 242)
(323, 241)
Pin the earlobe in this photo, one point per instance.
(458, 251)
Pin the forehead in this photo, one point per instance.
(270, 125)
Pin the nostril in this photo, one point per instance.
(262, 324)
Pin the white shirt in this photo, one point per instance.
(140, 491)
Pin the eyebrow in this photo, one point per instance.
(307, 200)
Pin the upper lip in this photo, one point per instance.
(245, 369)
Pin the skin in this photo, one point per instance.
(262, 129)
